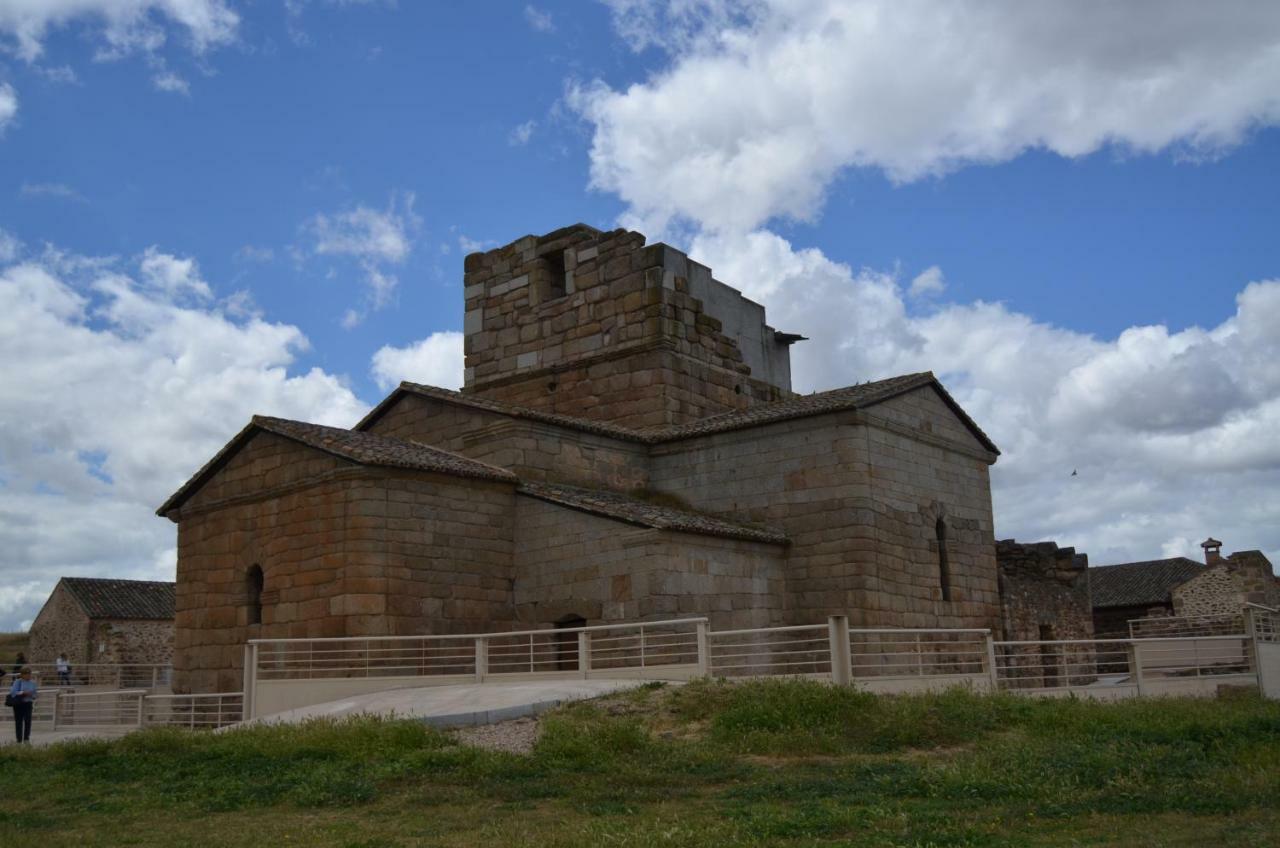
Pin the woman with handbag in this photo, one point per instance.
(22, 698)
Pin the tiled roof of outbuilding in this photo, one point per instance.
(353, 445)
(134, 599)
(645, 514)
(1136, 583)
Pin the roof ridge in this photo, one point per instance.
(633, 510)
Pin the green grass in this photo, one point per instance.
(763, 763)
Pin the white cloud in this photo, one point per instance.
(436, 360)
(8, 105)
(539, 19)
(767, 102)
(125, 26)
(254, 253)
(58, 190)
(115, 391)
(374, 239)
(928, 282)
(1173, 434)
(170, 82)
(10, 247)
(522, 133)
(64, 74)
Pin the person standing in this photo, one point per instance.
(19, 664)
(22, 695)
(64, 670)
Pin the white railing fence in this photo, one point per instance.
(106, 675)
(282, 674)
(67, 709)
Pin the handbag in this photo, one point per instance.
(10, 700)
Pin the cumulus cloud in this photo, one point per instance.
(170, 82)
(10, 247)
(1173, 433)
(928, 282)
(58, 190)
(121, 379)
(436, 360)
(125, 26)
(8, 105)
(539, 20)
(767, 101)
(522, 133)
(375, 239)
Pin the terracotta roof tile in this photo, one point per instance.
(1136, 583)
(105, 598)
(645, 514)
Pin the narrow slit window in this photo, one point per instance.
(944, 565)
(253, 584)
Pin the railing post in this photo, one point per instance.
(155, 672)
(249, 704)
(841, 658)
(993, 670)
(482, 659)
(55, 710)
(1135, 668)
(141, 708)
(704, 649)
(584, 653)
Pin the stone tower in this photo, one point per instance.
(597, 325)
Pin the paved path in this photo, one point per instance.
(459, 706)
(40, 738)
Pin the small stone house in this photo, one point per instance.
(1227, 583)
(95, 620)
(626, 446)
(1220, 586)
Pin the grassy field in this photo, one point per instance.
(10, 646)
(766, 763)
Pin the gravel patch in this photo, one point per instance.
(515, 737)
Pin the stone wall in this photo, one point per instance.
(344, 550)
(859, 497)
(1044, 591)
(571, 563)
(596, 325)
(132, 642)
(61, 627)
(1224, 588)
(536, 451)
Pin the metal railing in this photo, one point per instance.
(800, 650)
(1114, 667)
(106, 675)
(67, 709)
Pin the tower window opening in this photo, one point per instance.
(253, 583)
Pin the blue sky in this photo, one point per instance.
(234, 207)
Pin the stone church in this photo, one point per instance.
(626, 446)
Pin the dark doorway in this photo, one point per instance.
(566, 644)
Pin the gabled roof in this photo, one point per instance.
(836, 400)
(508, 409)
(102, 598)
(1137, 583)
(352, 445)
(645, 514)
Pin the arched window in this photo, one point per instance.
(944, 566)
(253, 589)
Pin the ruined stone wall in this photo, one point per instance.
(574, 563)
(344, 550)
(535, 451)
(61, 627)
(597, 325)
(1043, 586)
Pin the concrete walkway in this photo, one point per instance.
(458, 706)
(40, 738)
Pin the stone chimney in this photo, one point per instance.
(1212, 551)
